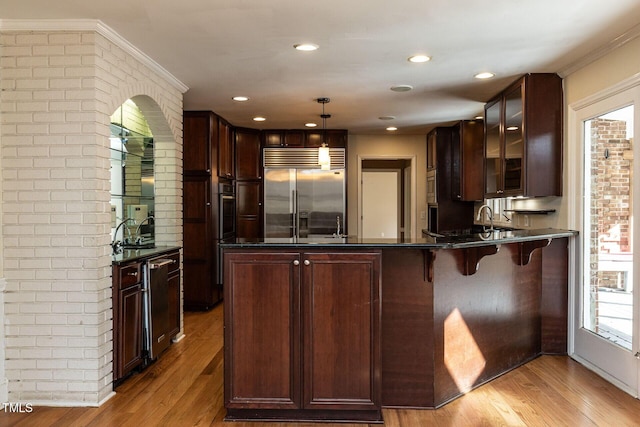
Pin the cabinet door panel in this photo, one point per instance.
(199, 128)
(248, 211)
(341, 338)
(513, 141)
(492, 145)
(130, 329)
(226, 164)
(247, 154)
(262, 330)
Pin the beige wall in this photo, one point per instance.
(390, 147)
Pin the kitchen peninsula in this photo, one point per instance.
(337, 328)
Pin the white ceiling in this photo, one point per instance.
(222, 48)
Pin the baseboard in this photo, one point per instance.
(622, 386)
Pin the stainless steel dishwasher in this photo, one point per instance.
(156, 306)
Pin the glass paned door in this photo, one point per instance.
(608, 279)
(606, 307)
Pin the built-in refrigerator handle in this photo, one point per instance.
(296, 219)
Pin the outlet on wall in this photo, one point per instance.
(526, 221)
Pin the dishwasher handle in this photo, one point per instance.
(159, 263)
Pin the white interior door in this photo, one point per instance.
(380, 200)
(606, 307)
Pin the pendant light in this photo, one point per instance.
(324, 159)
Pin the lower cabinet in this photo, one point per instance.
(302, 335)
(127, 319)
(130, 347)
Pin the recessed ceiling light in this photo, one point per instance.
(307, 47)
(512, 128)
(485, 75)
(240, 98)
(419, 58)
(387, 117)
(310, 125)
(478, 117)
(401, 88)
(259, 119)
(392, 128)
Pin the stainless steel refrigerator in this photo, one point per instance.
(300, 199)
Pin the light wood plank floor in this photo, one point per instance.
(185, 388)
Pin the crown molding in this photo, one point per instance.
(601, 51)
(92, 25)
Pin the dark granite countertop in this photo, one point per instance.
(128, 255)
(452, 241)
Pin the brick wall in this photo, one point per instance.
(611, 191)
(58, 90)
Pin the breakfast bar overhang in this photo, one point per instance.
(334, 329)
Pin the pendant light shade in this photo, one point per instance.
(324, 158)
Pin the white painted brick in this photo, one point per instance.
(90, 83)
(52, 386)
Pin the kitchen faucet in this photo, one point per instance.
(138, 236)
(490, 211)
(115, 244)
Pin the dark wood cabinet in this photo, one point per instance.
(302, 334)
(127, 322)
(467, 166)
(199, 155)
(248, 164)
(226, 151)
(248, 184)
(334, 138)
(445, 212)
(200, 289)
(284, 138)
(523, 139)
(202, 130)
(248, 209)
(128, 295)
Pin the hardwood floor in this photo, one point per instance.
(185, 388)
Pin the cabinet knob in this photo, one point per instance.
(208, 204)
(307, 262)
(132, 274)
(296, 262)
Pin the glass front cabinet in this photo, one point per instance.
(523, 139)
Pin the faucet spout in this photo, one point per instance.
(338, 226)
(138, 236)
(489, 211)
(115, 244)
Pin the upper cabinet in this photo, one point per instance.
(523, 139)
(467, 161)
(200, 142)
(226, 151)
(335, 138)
(248, 165)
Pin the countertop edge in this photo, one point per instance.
(128, 255)
(457, 242)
